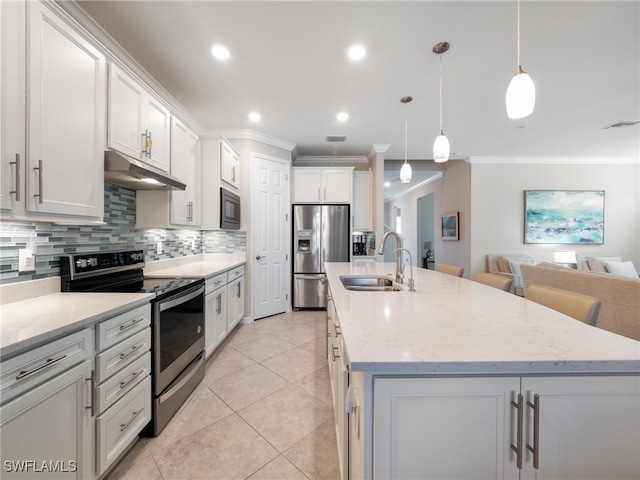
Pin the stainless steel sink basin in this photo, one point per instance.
(369, 283)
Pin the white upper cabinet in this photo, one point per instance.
(362, 201)
(322, 185)
(139, 124)
(229, 164)
(65, 111)
(185, 165)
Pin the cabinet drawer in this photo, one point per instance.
(122, 354)
(235, 273)
(25, 371)
(216, 282)
(123, 381)
(116, 329)
(120, 424)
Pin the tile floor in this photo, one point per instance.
(263, 411)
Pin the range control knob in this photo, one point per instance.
(92, 261)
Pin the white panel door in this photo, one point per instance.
(271, 233)
(66, 93)
(589, 427)
(444, 428)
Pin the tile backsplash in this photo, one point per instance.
(119, 233)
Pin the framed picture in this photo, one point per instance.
(449, 223)
(564, 216)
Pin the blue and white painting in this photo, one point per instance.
(564, 216)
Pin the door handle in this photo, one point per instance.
(258, 257)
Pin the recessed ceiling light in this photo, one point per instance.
(387, 184)
(220, 52)
(342, 116)
(357, 52)
(254, 117)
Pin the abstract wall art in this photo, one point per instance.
(564, 216)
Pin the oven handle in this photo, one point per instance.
(186, 376)
(181, 298)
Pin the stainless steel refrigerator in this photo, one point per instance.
(320, 234)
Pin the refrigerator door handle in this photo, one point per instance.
(306, 276)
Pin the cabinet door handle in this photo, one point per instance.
(123, 426)
(48, 363)
(17, 164)
(219, 307)
(149, 144)
(233, 173)
(238, 292)
(130, 324)
(133, 349)
(144, 143)
(535, 449)
(334, 352)
(92, 407)
(517, 448)
(40, 182)
(133, 376)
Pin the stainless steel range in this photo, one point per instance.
(177, 321)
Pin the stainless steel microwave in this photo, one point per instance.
(229, 210)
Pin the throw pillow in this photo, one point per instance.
(503, 265)
(517, 273)
(622, 269)
(597, 264)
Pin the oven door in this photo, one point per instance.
(178, 335)
(229, 210)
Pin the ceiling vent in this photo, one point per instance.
(624, 123)
(336, 138)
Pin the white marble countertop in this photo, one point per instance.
(451, 325)
(205, 265)
(28, 323)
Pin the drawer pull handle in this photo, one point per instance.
(123, 426)
(40, 181)
(133, 349)
(124, 326)
(92, 407)
(334, 353)
(133, 376)
(49, 362)
(17, 164)
(517, 448)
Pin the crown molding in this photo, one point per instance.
(415, 187)
(556, 160)
(249, 134)
(330, 160)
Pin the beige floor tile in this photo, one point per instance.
(228, 449)
(317, 454)
(298, 334)
(278, 469)
(317, 345)
(287, 416)
(246, 386)
(243, 334)
(224, 362)
(137, 452)
(264, 347)
(202, 408)
(294, 364)
(318, 384)
(142, 469)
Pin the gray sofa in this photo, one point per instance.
(620, 296)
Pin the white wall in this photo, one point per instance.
(497, 207)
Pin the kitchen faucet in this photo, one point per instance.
(412, 287)
(398, 252)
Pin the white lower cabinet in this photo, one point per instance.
(456, 428)
(123, 377)
(47, 430)
(215, 329)
(235, 297)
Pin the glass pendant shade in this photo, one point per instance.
(521, 95)
(441, 148)
(405, 173)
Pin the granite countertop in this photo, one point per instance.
(36, 312)
(451, 325)
(28, 323)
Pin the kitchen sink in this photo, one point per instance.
(369, 283)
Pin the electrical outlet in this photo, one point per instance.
(193, 244)
(159, 248)
(26, 260)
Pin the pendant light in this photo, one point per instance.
(405, 171)
(441, 145)
(521, 93)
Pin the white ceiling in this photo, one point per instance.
(289, 63)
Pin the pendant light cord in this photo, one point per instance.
(440, 94)
(405, 133)
(518, 37)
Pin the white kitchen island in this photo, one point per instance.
(451, 381)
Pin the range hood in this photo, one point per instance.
(127, 172)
